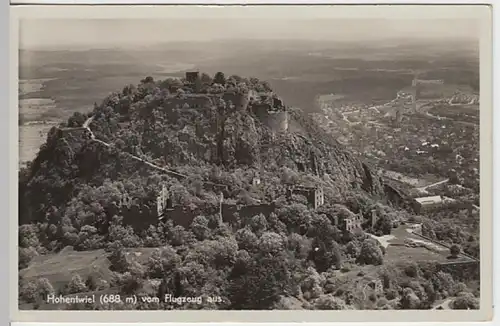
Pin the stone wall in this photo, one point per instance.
(193, 101)
(184, 216)
(240, 101)
(140, 216)
(245, 212)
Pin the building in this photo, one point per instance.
(163, 201)
(351, 223)
(430, 203)
(315, 196)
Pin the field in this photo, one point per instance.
(423, 181)
(464, 113)
(59, 268)
(424, 250)
(31, 137)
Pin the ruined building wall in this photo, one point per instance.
(139, 216)
(184, 216)
(240, 101)
(193, 101)
(276, 121)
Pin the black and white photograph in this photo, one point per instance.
(259, 161)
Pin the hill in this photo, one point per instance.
(240, 128)
(250, 204)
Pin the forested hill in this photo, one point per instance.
(223, 131)
(164, 123)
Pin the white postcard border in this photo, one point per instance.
(47, 12)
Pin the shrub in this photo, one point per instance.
(28, 292)
(411, 270)
(454, 251)
(25, 256)
(329, 302)
(464, 302)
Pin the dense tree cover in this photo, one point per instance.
(454, 228)
(72, 194)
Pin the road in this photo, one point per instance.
(432, 185)
(445, 305)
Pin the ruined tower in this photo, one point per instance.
(221, 200)
(163, 200)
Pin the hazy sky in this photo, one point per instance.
(101, 32)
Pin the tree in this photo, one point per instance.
(206, 79)
(25, 256)
(119, 261)
(76, 120)
(465, 301)
(409, 300)
(28, 292)
(91, 283)
(260, 286)
(325, 254)
(219, 78)
(44, 288)
(258, 224)
(76, 285)
(383, 225)
(199, 226)
(454, 251)
(130, 283)
(247, 240)
(163, 262)
(329, 302)
(370, 253)
(271, 242)
(148, 80)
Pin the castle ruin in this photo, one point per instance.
(314, 195)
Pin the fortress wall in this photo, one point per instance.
(193, 102)
(245, 212)
(139, 217)
(184, 216)
(240, 101)
(181, 215)
(261, 110)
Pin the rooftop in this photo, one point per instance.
(429, 200)
(434, 200)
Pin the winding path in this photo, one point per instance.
(172, 173)
(432, 185)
